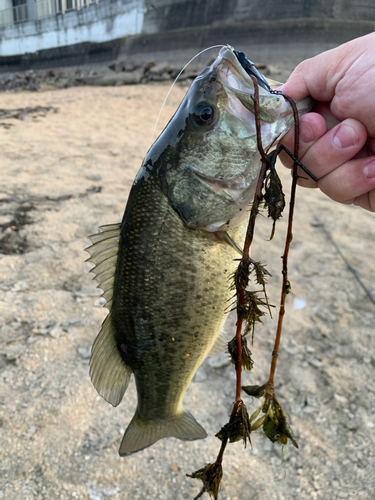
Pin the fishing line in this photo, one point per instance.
(170, 90)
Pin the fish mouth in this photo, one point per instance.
(238, 82)
(231, 73)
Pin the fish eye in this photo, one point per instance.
(204, 114)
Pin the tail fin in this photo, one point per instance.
(143, 433)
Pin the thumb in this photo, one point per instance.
(318, 77)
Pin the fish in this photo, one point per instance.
(165, 268)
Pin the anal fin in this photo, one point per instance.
(108, 371)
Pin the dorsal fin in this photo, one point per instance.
(103, 253)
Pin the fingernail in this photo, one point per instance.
(306, 134)
(369, 170)
(344, 137)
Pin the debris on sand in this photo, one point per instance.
(125, 71)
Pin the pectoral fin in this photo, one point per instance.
(224, 236)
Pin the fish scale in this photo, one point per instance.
(165, 270)
(189, 309)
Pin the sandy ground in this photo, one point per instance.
(63, 174)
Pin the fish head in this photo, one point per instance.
(207, 159)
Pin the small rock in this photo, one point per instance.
(63, 83)
(7, 375)
(87, 290)
(341, 399)
(314, 362)
(260, 65)
(56, 332)
(124, 65)
(126, 78)
(5, 220)
(13, 352)
(130, 64)
(161, 68)
(94, 79)
(148, 65)
(73, 321)
(299, 303)
(173, 466)
(84, 352)
(31, 431)
(110, 493)
(316, 223)
(291, 349)
(20, 286)
(271, 70)
(99, 302)
(94, 177)
(32, 339)
(133, 77)
(342, 494)
(200, 376)
(351, 425)
(159, 77)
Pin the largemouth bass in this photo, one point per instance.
(165, 268)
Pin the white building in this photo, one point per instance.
(18, 11)
(31, 26)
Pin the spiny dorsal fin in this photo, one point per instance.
(103, 253)
(108, 371)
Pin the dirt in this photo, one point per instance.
(65, 173)
(128, 70)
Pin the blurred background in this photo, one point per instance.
(81, 85)
(40, 34)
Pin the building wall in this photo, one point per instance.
(5, 4)
(162, 15)
(6, 13)
(102, 22)
(118, 19)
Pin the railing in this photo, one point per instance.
(40, 9)
(63, 6)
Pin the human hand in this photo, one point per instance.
(342, 156)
